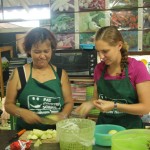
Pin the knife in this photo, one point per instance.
(17, 135)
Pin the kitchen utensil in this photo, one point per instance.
(17, 135)
(102, 133)
(75, 133)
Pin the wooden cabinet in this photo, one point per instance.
(4, 49)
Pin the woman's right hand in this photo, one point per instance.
(29, 117)
(84, 108)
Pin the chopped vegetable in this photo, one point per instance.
(37, 143)
(112, 132)
(39, 135)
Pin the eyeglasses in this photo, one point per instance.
(40, 51)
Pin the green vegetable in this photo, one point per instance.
(37, 143)
(5, 66)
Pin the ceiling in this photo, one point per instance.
(25, 4)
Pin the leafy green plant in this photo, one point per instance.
(5, 66)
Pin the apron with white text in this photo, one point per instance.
(121, 91)
(41, 98)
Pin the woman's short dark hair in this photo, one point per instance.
(36, 35)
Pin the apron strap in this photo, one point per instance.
(59, 72)
(103, 72)
(22, 79)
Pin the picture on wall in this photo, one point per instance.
(91, 21)
(123, 3)
(65, 41)
(146, 18)
(146, 40)
(125, 19)
(62, 23)
(131, 37)
(86, 38)
(146, 3)
(91, 5)
(62, 5)
(82, 18)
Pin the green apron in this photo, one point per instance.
(41, 98)
(121, 91)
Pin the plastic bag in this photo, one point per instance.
(19, 145)
(75, 133)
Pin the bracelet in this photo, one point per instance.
(115, 105)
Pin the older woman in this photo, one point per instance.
(43, 92)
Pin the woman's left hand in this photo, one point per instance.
(103, 105)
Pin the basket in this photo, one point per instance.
(75, 134)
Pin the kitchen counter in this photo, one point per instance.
(5, 136)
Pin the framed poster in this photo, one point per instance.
(146, 40)
(122, 4)
(62, 23)
(125, 19)
(131, 37)
(86, 38)
(65, 41)
(146, 3)
(91, 21)
(146, 18)
(62, 6)
(91, 5)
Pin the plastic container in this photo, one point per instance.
(87, 46)
(75, 134)
(134, 139)
(89, 92)
(102, 136)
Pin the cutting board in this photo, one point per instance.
(24, 137)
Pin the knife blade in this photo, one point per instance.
(17, 135)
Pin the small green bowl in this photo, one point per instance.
(102, 136)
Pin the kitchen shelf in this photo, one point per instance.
(139, 53)
(81, 79)
(4, 49)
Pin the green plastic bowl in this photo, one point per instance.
(102, 136)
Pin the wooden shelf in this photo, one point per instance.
(84, 79)
(139, 53)
(79, 101)
(4, 49)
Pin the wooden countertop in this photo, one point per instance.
(6, 135)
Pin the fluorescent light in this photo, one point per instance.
(32, 14)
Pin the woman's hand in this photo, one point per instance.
(103, 106)
(4, 118)
(84, 108)
(29, 117)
